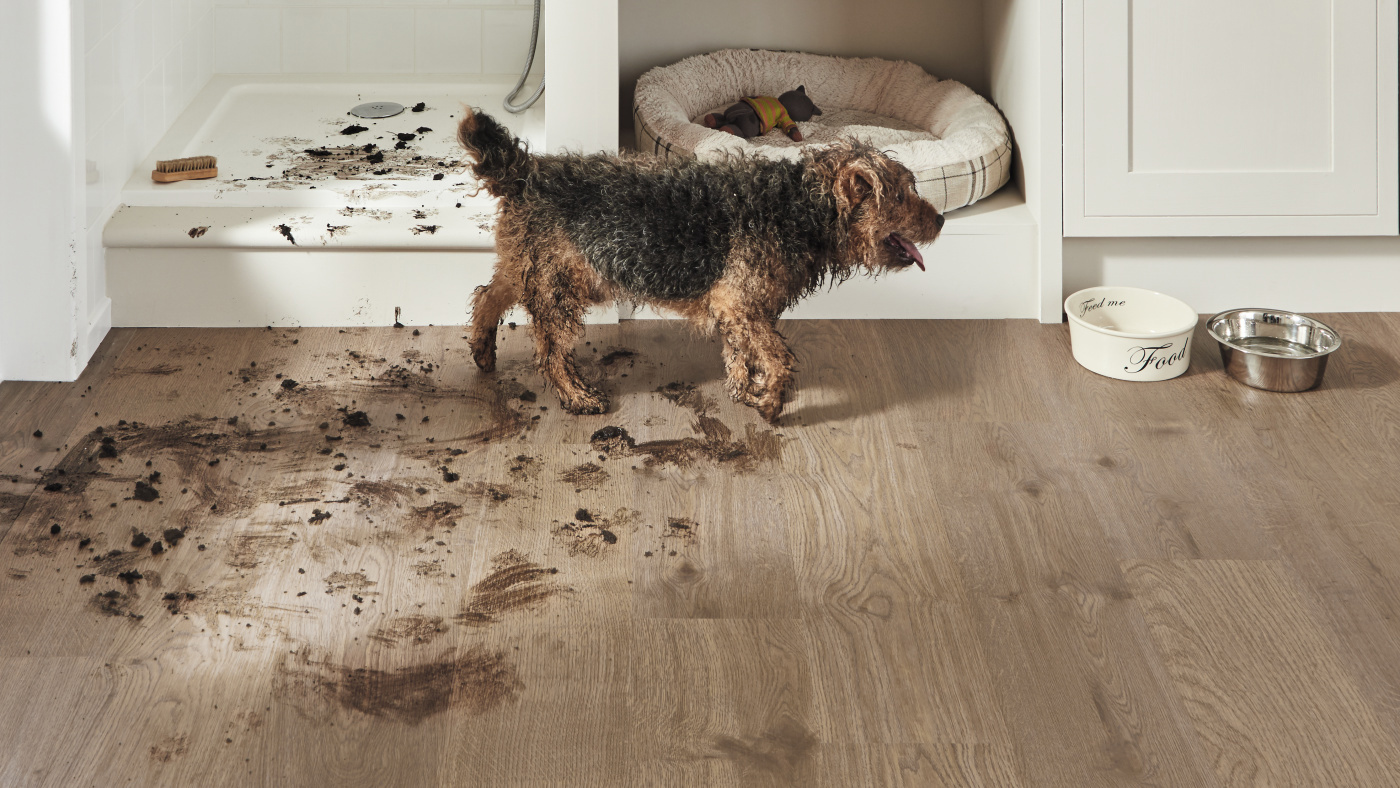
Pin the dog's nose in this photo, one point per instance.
(938, 220)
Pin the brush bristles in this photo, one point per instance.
(185, 165)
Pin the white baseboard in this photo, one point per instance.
(99, 323)
(1215, 274)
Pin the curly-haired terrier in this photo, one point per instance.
(729, 246)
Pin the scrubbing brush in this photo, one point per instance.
(192, 168)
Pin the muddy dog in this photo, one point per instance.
(729, 246)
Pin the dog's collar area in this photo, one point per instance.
(904, 250)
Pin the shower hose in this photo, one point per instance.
(529, 61)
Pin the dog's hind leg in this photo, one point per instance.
(489, 303)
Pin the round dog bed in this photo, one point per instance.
(954, 141)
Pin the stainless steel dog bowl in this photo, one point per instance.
(1273, 350)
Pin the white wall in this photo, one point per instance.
(372, 37)
(1215, 274)
(42, 267)
(144, 61)
(945, 37)
(1023, 52)
(582, 111)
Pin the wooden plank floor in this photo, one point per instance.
(343, 557)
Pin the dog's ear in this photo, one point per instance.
(856, 182)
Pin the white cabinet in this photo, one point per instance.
(1233, 117)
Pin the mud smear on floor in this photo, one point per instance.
(442, 514)
(476, 680)
(410, 630)
(429, 568)
(172, 747)
(403, 380)
(158, 369)
(36, 536)
(191, 444)
(780, 750)
(493, 494)
(617, 357)
(592, 534)
(522, 468)
(115, 562)
(584, 477)
(11, 504)
(682, 528)
(114, 603)
(353, 581)
(503, 419)
(714, 443)
(368, 492)
(246, 551)
(515, 583)
(175, 601)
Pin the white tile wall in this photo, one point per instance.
(144, 60)
(373, 36)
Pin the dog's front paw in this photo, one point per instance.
(740, 392)
(485, 359)
(770, 409)
(591, 404)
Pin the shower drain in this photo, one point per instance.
(377, 109)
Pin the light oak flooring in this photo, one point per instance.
(959, 560)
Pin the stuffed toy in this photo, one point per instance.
(753, 116)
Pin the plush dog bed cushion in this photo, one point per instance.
(954, 141)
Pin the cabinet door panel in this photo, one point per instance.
(1238, 117)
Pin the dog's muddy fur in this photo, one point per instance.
(728, 246)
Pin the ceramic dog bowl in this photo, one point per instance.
(1272, 349)
(1129, 333)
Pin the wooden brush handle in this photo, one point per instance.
(187, 175)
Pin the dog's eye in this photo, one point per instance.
(899, 197)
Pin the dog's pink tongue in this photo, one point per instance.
(911, 250)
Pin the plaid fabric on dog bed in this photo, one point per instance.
(954, 141)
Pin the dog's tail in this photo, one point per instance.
(501, 161)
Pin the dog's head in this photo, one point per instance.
(886, 218)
